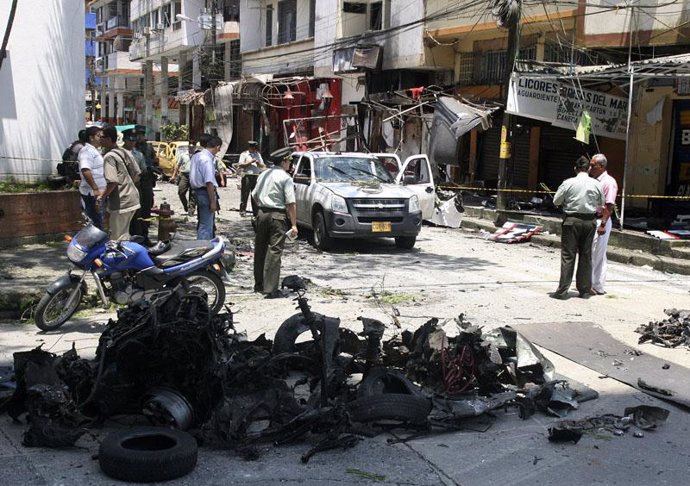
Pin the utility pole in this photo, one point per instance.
(505, 154)
(214, 12)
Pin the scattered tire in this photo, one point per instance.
(290, 330)
(390, 406)
(148, 454)
(405, 242)
(386, 381)
(321, 239)
(214, 287)
(52, 310)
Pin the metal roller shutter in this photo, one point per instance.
(559, 151)
(488, 154)
(520, 159)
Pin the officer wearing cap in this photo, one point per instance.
(276, 218)
(251, 163)
(137, 226)
(148, 179)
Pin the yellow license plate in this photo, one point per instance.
(380, 227)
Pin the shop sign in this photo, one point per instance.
(562, 104)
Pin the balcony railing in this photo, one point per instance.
(117, 21)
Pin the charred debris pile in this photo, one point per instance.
(172, 361)
(671, 332)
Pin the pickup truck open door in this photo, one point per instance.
(416, 175)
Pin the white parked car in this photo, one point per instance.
(358, 195)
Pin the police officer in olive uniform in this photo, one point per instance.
(147, 181)
(274, 196)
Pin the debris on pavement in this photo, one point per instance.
(448, 209)
(514, 232)
(670, 333)
(171, 361)
(644, 417)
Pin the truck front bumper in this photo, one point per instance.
(341, 225)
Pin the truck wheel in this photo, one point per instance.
(321, 239)
(52, 311)
(405, 242)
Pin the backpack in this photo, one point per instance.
(70, 162)
(71, 153)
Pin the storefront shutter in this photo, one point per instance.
(559, 151)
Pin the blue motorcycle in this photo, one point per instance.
(127, 271)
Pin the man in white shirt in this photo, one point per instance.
(202, 177)
(92, 179)
(251, 163)
(597, 169)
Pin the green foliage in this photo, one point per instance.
(174, 131)
(12, 185)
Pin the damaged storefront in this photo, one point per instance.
(633, 113)
(303, 113)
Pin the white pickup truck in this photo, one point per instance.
(358, 195)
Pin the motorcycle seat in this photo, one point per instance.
(159, 248)
(178, 248)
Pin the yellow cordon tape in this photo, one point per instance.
(535, 191)
(447, 188)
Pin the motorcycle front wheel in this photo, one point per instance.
(52, 311)
(214, 287)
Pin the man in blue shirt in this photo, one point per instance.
(202, 178)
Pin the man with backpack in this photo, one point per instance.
(148, 178)
(121, 174)
(70, 158)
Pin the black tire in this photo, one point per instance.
(386, 381)
(405, 242)
(322, 241)
(56, 301)
(390, 406)
(148, 454)
(212, 285)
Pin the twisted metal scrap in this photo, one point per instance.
(671, 332)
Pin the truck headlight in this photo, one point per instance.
(414, 204)
(338, 204)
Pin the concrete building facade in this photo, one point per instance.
(42, 86)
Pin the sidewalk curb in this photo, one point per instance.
(615, 254)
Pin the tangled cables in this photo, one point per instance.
(507, 12)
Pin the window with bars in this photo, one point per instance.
(235, 60)
(166, 14)
(287, 21)
(177, 24)
(269, 25)
(231, 10)
(376, 16)
(466, 65)
(488, 67)
(554, 52)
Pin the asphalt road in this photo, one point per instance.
(450, 272)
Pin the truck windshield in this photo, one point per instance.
(351, 169)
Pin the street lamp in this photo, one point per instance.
(204, 21)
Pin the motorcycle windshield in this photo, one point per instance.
(90, 236)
